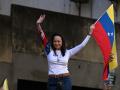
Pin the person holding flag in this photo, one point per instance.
(58, 57)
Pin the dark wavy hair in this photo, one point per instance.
(63, 48)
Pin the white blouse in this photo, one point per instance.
(58, 64)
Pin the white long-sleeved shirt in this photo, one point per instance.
(58, 64)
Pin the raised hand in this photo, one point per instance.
(41, 18)
(92, 27)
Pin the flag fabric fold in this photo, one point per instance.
(104, 34)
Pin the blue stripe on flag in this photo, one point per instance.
(108, 27)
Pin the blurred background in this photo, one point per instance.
(22, 60)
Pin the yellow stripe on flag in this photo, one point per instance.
(110, 12)
(5, 85)
(113, 64)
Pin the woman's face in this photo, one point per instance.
(57, 42)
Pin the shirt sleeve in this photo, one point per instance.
(77, 48)
(45, 42)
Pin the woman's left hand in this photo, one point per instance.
(92, 27)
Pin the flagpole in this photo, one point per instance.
(101, 16)
(97, 20)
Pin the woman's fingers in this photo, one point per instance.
(41, 18)
(92, 27)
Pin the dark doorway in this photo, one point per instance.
(35, 85)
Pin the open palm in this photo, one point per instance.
(41, 18)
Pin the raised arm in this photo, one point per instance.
(40, 31)
(77, 48)
(42, 34)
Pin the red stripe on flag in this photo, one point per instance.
(103, 41)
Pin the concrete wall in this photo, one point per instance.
(28, 60)
(86, 67)
(5, 39)
(92, 9)
(99, 9)
(6, 70)
(64, 6)
(5, 6)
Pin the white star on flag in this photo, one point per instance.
(108, 34)
(112, 34)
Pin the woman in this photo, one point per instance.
(58, 56)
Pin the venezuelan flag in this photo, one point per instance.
(104, 34)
